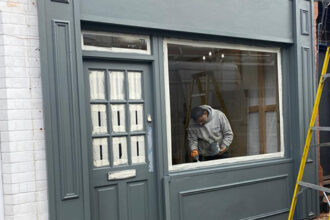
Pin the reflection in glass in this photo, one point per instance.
(116, 42)
(271, 132)
(253, 134)
(100, 152)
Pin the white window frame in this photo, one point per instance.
(115, 49)
(189, 166)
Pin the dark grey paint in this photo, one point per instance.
(61, 110)
(257, 191)
(67, 122)
(135, 196)
(305, 88)
(267, 20)
(253, 19)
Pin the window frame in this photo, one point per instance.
(232, 160)
(116, 49)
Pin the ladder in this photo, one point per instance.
(299, 183)
(203, 93)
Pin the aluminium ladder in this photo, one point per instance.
(299, 182)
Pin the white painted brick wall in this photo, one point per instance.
(23, 182)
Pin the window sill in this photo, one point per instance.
(230, 163)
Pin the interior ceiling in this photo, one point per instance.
(206, 56)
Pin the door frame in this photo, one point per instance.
(158, 130)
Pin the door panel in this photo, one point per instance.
(107, 202)
(121, 112)
(137, 190)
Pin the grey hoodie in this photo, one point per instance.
(209, 137)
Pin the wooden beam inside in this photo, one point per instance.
(262, 112)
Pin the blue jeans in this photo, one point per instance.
(215, 157)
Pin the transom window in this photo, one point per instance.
(117, 113)
(115, 42)
(242, 82)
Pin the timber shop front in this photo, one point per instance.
(121, 84)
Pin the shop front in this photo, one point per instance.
(120, 80)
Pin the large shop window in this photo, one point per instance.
(241, 86)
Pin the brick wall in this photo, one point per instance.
(23, 164)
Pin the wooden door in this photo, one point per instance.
(121, 141)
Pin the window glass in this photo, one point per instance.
(117, 117)
(224, 102)
(116, 42)
(135, 85)
(96, 84)
(119, 146)
(116, 80)
(100, 152)
(99, 119)
(136, 113)
(138, 149)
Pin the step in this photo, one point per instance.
(326, 144)
(314, 186)
(326, 76)
(320, 128)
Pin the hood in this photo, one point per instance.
(209, 109)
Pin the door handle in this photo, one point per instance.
(149, 119)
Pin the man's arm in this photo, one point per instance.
(192, 142)
(226, 131)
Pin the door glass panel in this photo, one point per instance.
(96, 82)
(117, 91)
(100, 152)
(119, 147)
(99, 119)
(136, 117)
(134, 85)
(138, 149)
(118, 118)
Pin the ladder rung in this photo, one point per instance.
(320, 128)
(314, 186)
(327, 144)
(198, 95)
(326, 76)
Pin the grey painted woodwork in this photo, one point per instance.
(267, 20)
(306, 90)
(61, 110)
(133, 197)
(79, 191)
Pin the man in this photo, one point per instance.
(209, 134)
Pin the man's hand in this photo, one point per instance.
(222, 150)
(194, 153)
